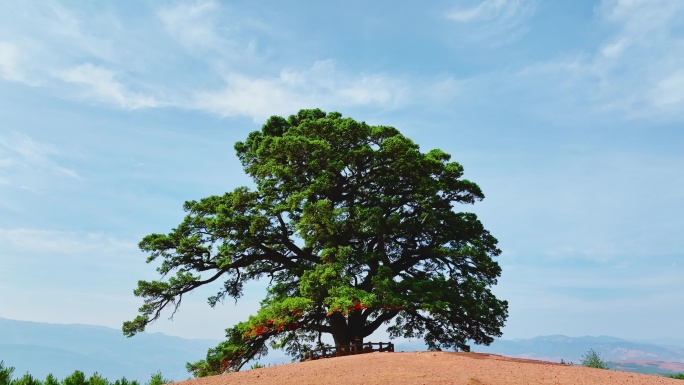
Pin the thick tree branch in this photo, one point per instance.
(372, 326)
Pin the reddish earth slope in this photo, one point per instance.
(429, 368)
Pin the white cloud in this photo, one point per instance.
(42, 37)
(60, 242)
(82, 35)
(86, 66)
(248, 97)
(668, 92)
(100, 57)
(652, 56)
(642, 20)
(615, 49)
(68, 50)
(322, 85)
(30, 164)
(10, 62)
(194, 25)
(486, 10)
(494, 21)
(636, 71)
(101, 84)
(221, 38)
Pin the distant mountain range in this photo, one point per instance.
(41, 348)
(619, 354)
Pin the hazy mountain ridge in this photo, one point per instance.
(42, 348)
(572, 348)
(619, 354)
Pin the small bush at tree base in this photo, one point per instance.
(592, 359)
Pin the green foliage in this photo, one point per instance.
(50, 380)
(256, 365)
(5, 374)
(353, 226)
(96, 379)
(592, 359)
(678, 376)
(157, 379)
(124, 381)
(76, 378)
(26, 379)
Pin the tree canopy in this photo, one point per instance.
(353, 226)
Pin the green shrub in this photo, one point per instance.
(124, 381)
(5, 374)
(26, 379)
(592, 359)
(96, 379)
(76, 378)
(678, 376)
(50, 380)
(158, 379)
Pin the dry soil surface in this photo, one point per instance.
(429, 368)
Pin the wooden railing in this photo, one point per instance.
(345, 350)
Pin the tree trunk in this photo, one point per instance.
(340, 331)
(346, 332)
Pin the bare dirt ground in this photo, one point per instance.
(429, 368)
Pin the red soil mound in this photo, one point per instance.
(429, 368)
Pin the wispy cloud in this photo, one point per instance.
(10, 62)
(486, 10)
(231, 52)
(502, 21)
(667, 94)
(218, 36)
(86, 55)
(30, 164)
(88, 69)
(321, 85)
(101, 84)
(637, 71)
(61, 242)
(194, 25)
(40, 38)
(646, 51)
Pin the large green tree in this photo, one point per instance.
(353, 226)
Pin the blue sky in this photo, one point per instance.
(568, 114)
